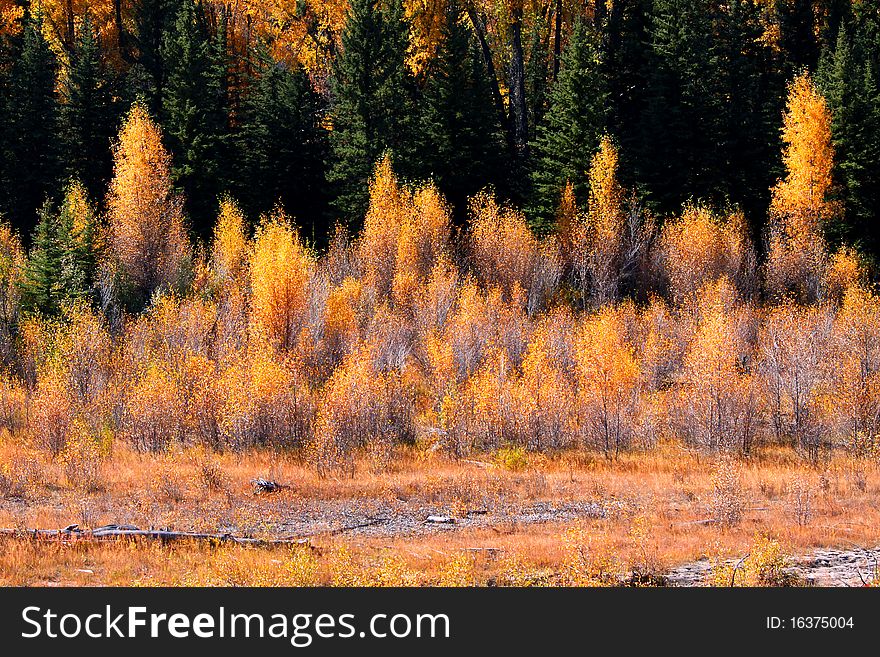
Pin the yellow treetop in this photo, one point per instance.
(808, 157)
(229, 248)
(148, 238)
(606, 195)
(280, 273)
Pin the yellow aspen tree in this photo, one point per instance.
(854, 365)
(608, 376)
(568, 221)
(808, 156)
(148, 240)
(12, 265)
(281, 271)
(605, 223)
(606, 245)
(423, 240)
(390, 206)
(799, 206)
(545, 397)
(229, 247)
(507, 254)
(404, 235)
(342, 317)
(699, 248)
(793, 347)
(717, 398)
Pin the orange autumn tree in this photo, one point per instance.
(800, 209)
(508, 255)
(603, 246)
(609, 381)
(281, 270)
(405, 233)
(230, 248)
(149, 248)
(717, 402)
(606, 221)
(700, 248)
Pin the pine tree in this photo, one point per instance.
(851, 88)
(750, 71)
(372, 94)
(283, 145)
(40, 284)
(463, 140)
(88, 114)
(32, 157)
(78, 243)
(797, 35)
(193, 110)
(145, 79)
(683, 133)
(625, 61)
(572, 127)
(61, 265)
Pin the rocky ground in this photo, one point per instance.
(824, 567)
(402, 518)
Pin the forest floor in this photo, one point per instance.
(570, 518)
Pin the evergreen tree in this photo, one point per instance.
(797, 34)
(40, 285)
(282, 144)
(61, 264)
(683, 135)
(751, 79)
(88, 114)
(372, 93)
(463, 140)
(569, 136)
(32, 155)
(194, 112)
(625, 61)
(850, 86)
(146, 77)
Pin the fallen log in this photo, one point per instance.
(264, 486)
(109, 532)
(348, 528)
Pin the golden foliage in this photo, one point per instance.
(230, 246)
(148, 240)
(808, 157)
(405, 234)
(718, 400)
(799, 207)
(700, 248)
(609, 381)
(280, 272)
(506, 254)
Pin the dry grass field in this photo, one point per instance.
(567, 519)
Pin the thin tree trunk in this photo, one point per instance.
(121, 41)
(518, 108)
(480, 30)
(557, 40)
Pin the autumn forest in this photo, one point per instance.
(381, 236)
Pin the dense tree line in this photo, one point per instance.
(612, 332)
(516, 98)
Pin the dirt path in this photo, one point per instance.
(824, 567)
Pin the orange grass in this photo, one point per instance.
(653, 502)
